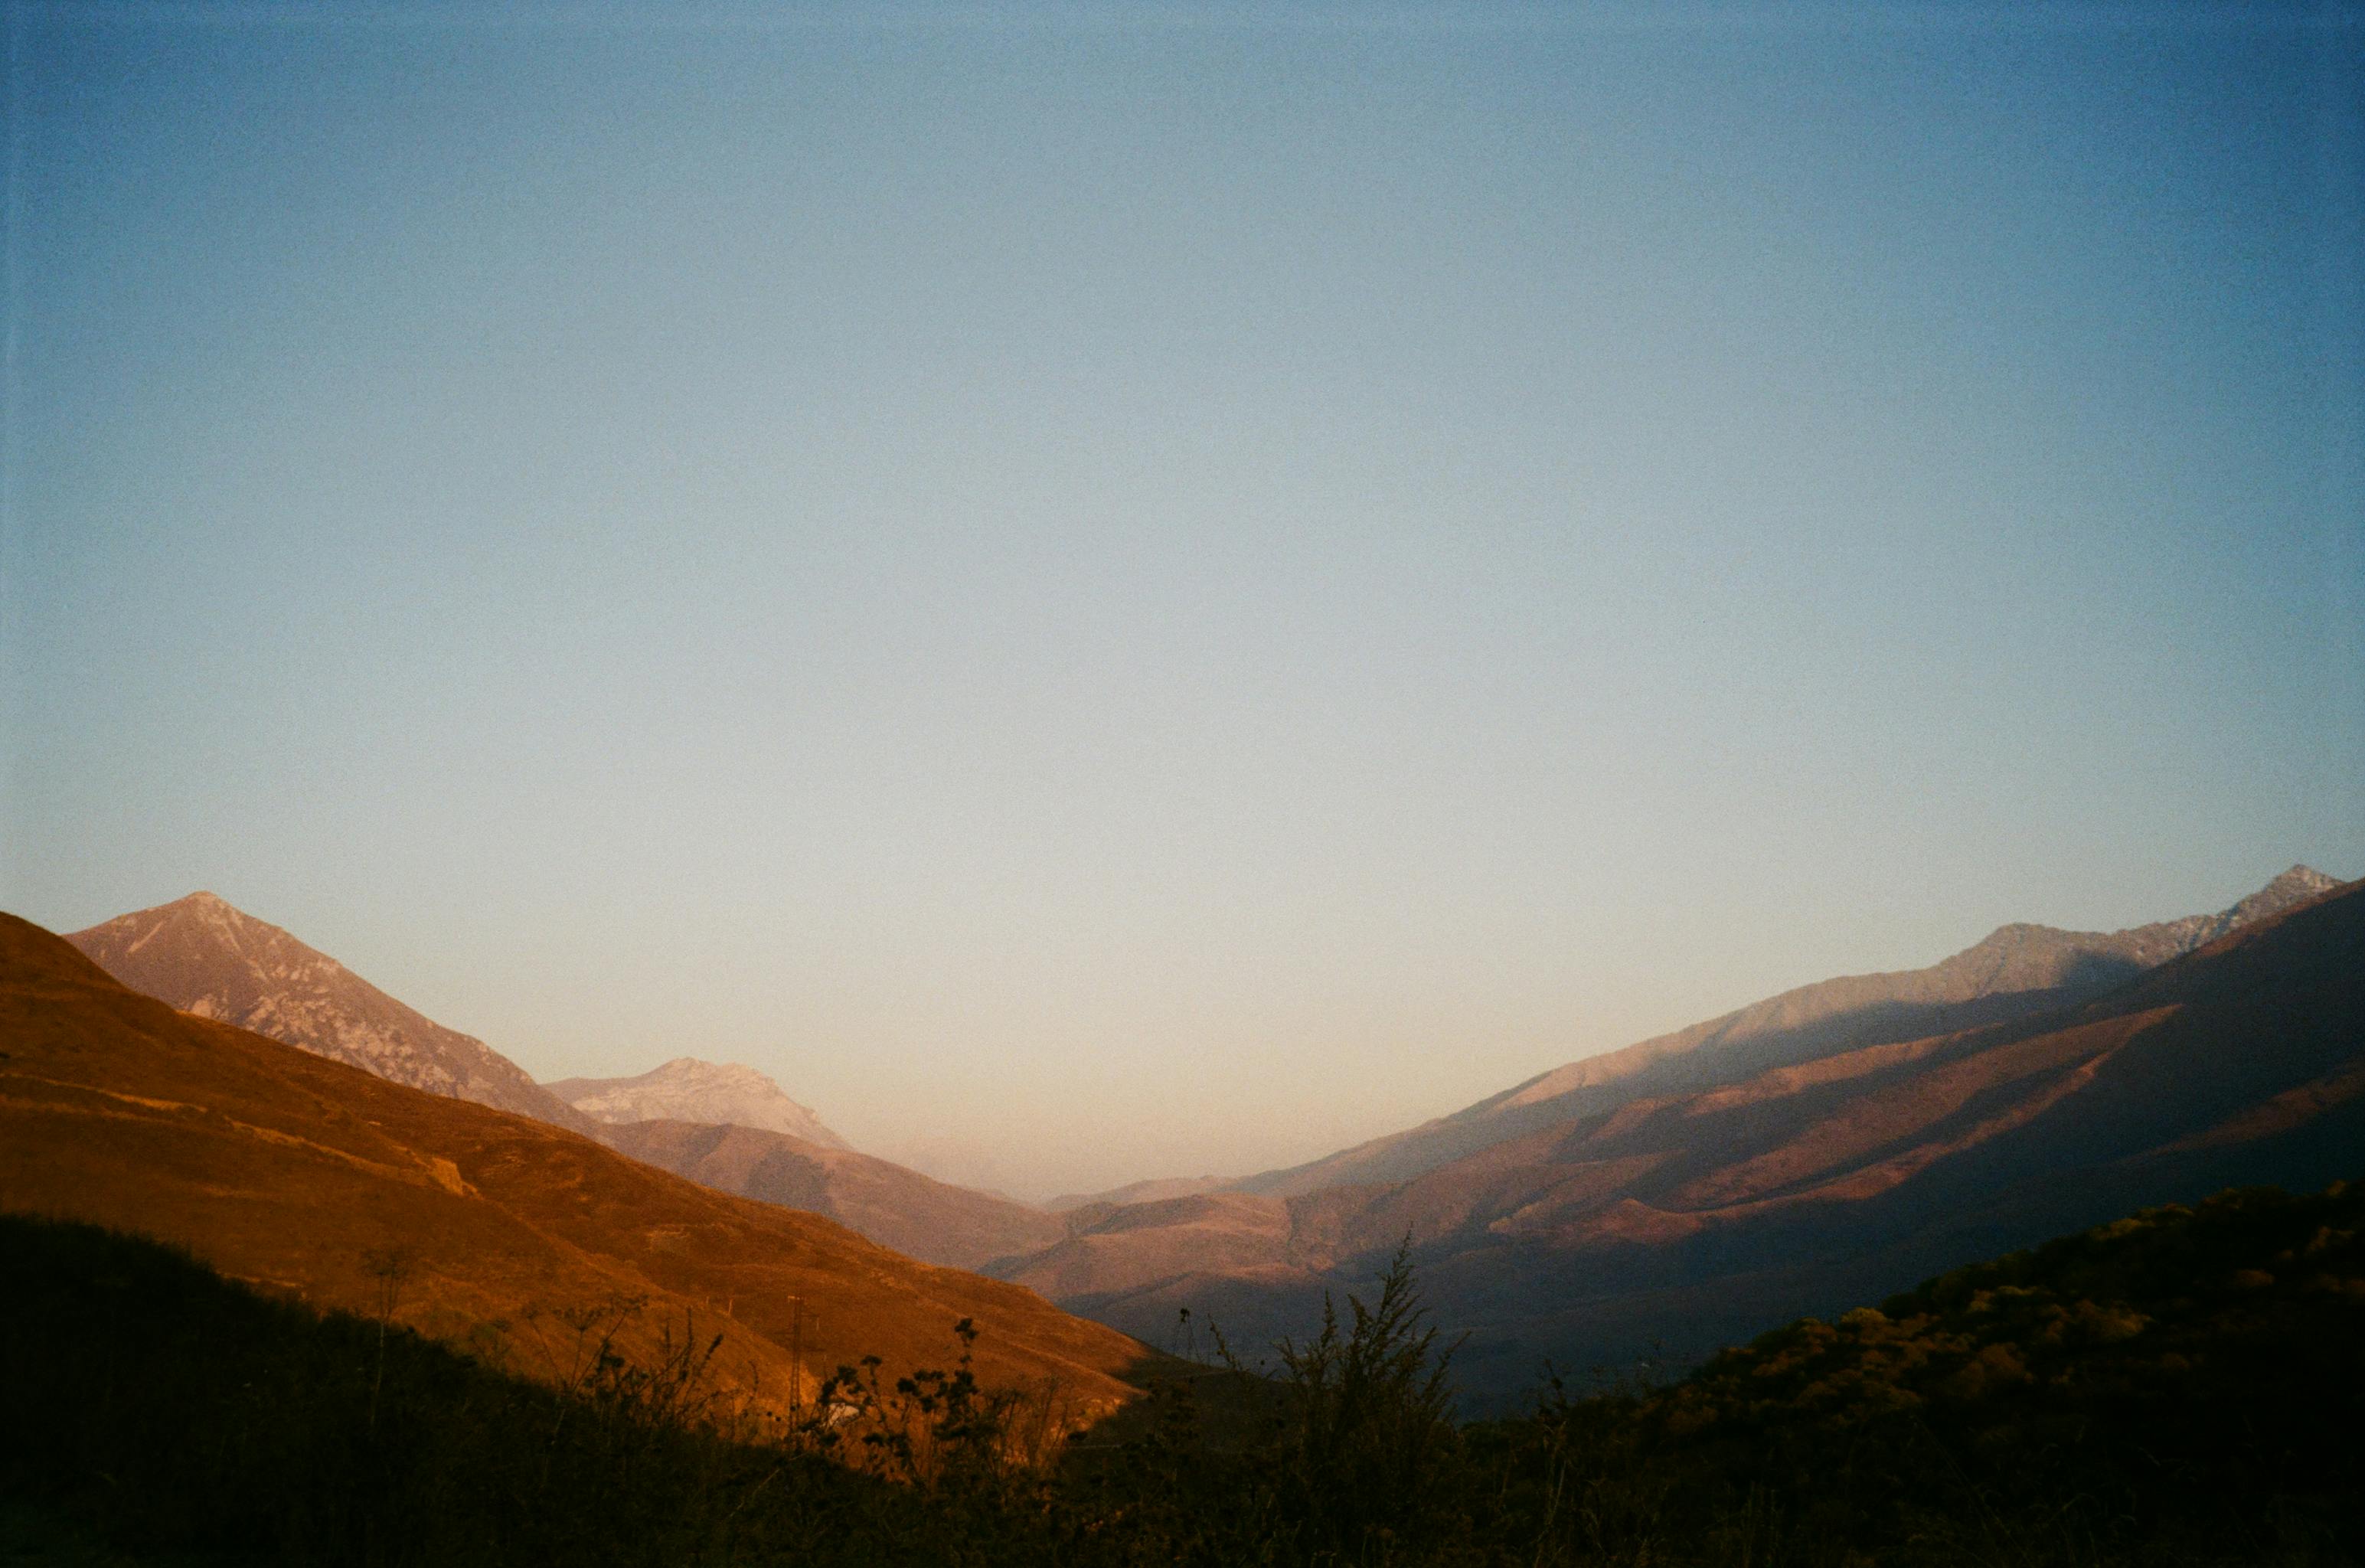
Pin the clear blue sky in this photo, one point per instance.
(1110, 591)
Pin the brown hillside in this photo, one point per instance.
(286, 1169)
(922, 1218)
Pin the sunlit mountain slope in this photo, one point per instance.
(203, 956)
(306, 1175)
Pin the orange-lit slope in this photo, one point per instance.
(280, 1167)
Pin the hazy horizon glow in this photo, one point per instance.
(1112, 594)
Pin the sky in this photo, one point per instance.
(1126, 591)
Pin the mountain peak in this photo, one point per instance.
(204, 954)
(202, 916)
(688, 1089)
(210, 904)
(2153, 943)
(2288, 891)
(2301, 881)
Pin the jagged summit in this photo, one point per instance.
(2024, 954)
(2295, 886)
(689, 1089)
(204, 954)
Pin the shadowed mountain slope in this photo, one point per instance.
(895, 1207)
(1147, 1192)
(202, 956)
(2017, 971)
(302, 1175)
(1695, 1216)
(689, 1089)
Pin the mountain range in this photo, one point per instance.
(202, 956)
(1818, 1147)
(532, 1244)
(727, 1125)
(2016, 971)
(1812, 1149)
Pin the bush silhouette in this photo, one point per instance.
(1369, 1423)
(2183, 1388)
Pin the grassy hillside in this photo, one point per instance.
(2186, 1384)
(2182, 1387)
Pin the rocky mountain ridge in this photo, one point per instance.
(1696, 1211)
(726, 1126)
(2016, 971)
(689, 1089)
(312, 1178)
(203, 956)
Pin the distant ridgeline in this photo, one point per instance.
(1822, 1147)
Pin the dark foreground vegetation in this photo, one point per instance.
(2184, 1386)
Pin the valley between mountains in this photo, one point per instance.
(1819, 1147)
